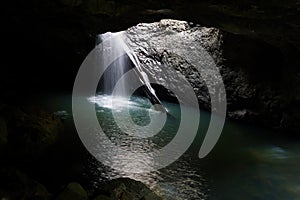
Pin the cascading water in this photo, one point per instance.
(117, 68)
(117, 46)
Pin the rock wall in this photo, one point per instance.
(252, 70)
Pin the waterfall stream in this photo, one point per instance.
(128, 61)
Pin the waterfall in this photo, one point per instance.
(117, 68)
(128, 61)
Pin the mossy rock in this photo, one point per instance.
(126, 189)
(103, 197)
(73, 191)
(31, 130)
(16, 185)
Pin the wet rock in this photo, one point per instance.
(126, 189)
(174, 25)
(62, 114)
(156, 45)
(73, 191)
(115, 189)
(151, 196)
(244, 115)
(251, 69)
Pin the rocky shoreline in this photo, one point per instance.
(26, 135)
(16, 185)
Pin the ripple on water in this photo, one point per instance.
(270, 153)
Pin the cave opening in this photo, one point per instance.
(43, 151)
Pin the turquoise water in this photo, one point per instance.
(247, 162)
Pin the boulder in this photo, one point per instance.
(251, 70)
(126, 189)
(73, 191)
(31, 130)
(16, 185)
